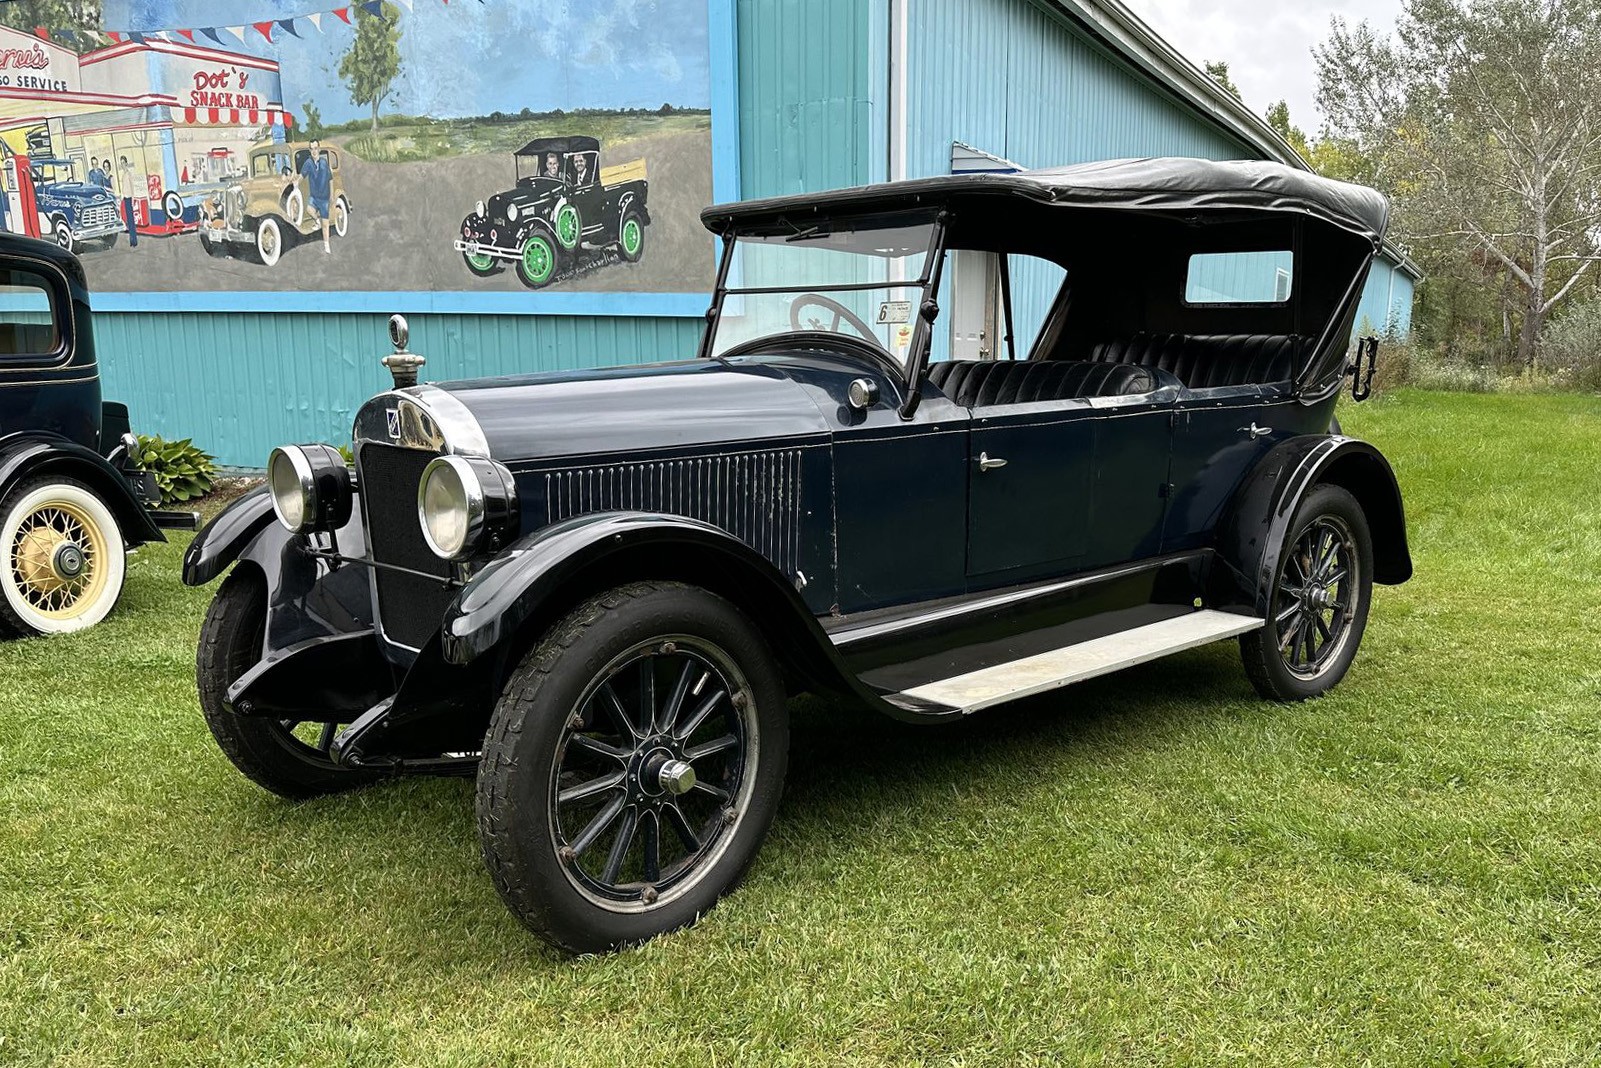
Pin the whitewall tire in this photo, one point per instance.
(269, 241)
(63, 558)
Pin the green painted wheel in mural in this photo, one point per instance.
(539, 260)
(481, 264)
(631, 237)
(569, 227)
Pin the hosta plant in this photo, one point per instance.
(183, 471)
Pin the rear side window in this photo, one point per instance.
(28, 324)
(1240, 278)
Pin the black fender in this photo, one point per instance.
(545, 574)
(1251, 536)
(223, 540)
(27, 455)
(309, 599)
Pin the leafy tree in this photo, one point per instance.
(1332, 157)
(1480, 118)
(1220, 74)
(54, 15)
(373, 62)
(311, 122)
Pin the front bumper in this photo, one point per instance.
(225, 236)
(484, 248)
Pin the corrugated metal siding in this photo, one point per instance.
(804, 100)
(240, 384)
(1386, 306)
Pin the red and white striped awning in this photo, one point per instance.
(238, 117)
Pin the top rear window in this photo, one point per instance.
(1240, 278)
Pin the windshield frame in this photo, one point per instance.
(927, 282)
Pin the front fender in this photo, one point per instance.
(26, 455)
(510, 591)
(1252, 535)
(225, 538)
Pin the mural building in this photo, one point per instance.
(383, 146)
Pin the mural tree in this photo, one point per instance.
(53, 15)
(373, 62)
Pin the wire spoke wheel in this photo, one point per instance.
(61, 558)
(653, 772)
(1316, 596)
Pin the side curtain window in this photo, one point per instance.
(29, 318)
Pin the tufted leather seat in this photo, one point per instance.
(1202, 361)
(981, 383)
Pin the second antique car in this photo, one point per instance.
(269, 209)
(563, 201)
(595, 589)
(72, 496)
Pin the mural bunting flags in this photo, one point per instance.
(287, 25)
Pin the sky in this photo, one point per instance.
(468, 58)
(1267, 44)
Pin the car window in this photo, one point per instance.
(332, 157)
(1240, 278)
(261, 166)
(27, 316)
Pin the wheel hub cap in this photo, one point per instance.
(67, 561)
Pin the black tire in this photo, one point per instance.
(530, 752)
(1285, 674)
(39, 518)
(267, 751)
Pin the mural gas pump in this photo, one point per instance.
(20, 207)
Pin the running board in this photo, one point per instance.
(1072, 663)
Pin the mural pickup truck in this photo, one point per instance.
(563, 203)
(44, 198)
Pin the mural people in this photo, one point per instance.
(319, 187)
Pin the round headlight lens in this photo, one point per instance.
(450, 503)
(480, 209)
(511, 213)
(293, 487)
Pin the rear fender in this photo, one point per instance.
(547, 573)
(1252, 535)
(25, 456)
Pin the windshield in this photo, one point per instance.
(862, 279)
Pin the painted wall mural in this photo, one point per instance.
(379, 146)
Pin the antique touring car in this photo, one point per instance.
(268, 210)
(594, 589)
(563, 201)
(72, 497)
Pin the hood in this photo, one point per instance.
(540, 189)
(78, 192)
(651, 407)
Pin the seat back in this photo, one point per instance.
(981, 383)
(1202, 361)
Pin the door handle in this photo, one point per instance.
(987, 464)
(1256, 431)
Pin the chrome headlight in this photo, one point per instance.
(311, 487)
(466, 506)
(480, 210)
(511, 212)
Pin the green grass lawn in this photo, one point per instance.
(1153, 868)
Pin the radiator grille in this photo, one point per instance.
(100, 215)
(410, 607)
(755, 496)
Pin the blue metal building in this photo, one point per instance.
(827, 93)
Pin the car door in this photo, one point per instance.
(1065, 486)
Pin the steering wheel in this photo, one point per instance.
(827, 304)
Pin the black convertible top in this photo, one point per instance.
(1146, 185)
(540, 145)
